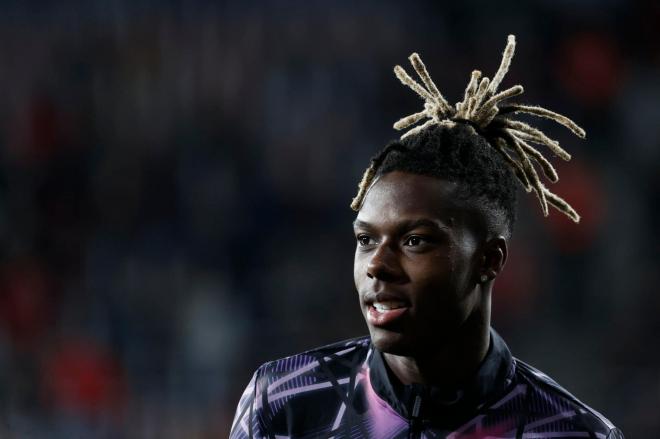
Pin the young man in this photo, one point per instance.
(435, 214)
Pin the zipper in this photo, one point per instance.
(415, 430)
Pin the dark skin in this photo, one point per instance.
(421, 249)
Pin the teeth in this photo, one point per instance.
(387, 306)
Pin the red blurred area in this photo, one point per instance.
(84, 378)
(27, 294)
(583, 188)
(590, 67)
(39, 130)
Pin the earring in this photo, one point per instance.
(483, 278)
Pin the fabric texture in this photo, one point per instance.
(345, 390)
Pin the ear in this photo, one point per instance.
(494, 256)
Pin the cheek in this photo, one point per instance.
(442, 281)
(359, 270)
(434, 270)
(435, 289)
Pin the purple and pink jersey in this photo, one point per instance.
(346, 390)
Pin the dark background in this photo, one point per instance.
(175, 180)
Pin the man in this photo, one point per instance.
(435, 214)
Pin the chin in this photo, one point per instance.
(392, 342)
(409, 345)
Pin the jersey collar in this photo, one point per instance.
(442, 407)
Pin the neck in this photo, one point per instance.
(449, 365)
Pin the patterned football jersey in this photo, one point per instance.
(346, 390)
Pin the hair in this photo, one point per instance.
(458, 154)
(476, 142)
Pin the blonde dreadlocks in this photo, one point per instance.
(479, 108)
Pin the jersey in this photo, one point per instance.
(346, 390)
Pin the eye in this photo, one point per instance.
(414, 241)
(364, 240)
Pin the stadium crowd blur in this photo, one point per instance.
(175, 180)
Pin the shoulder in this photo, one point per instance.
(304, 393)
(320, 357)
(549, 405)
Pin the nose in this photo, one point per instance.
(384, 265)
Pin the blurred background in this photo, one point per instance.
(175, 180)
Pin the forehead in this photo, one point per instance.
(399, 196)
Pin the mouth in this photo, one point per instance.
(383, 310)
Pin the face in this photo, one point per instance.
(417, 263)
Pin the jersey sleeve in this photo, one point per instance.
(615, 433)
(247, 422)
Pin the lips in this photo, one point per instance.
(385, 308)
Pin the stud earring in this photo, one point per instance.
(483, 278)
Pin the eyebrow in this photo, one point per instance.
(405, 225)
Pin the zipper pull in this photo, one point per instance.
(415, 424)
(417, 405)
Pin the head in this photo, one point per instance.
(431, 237)
(436, 209)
